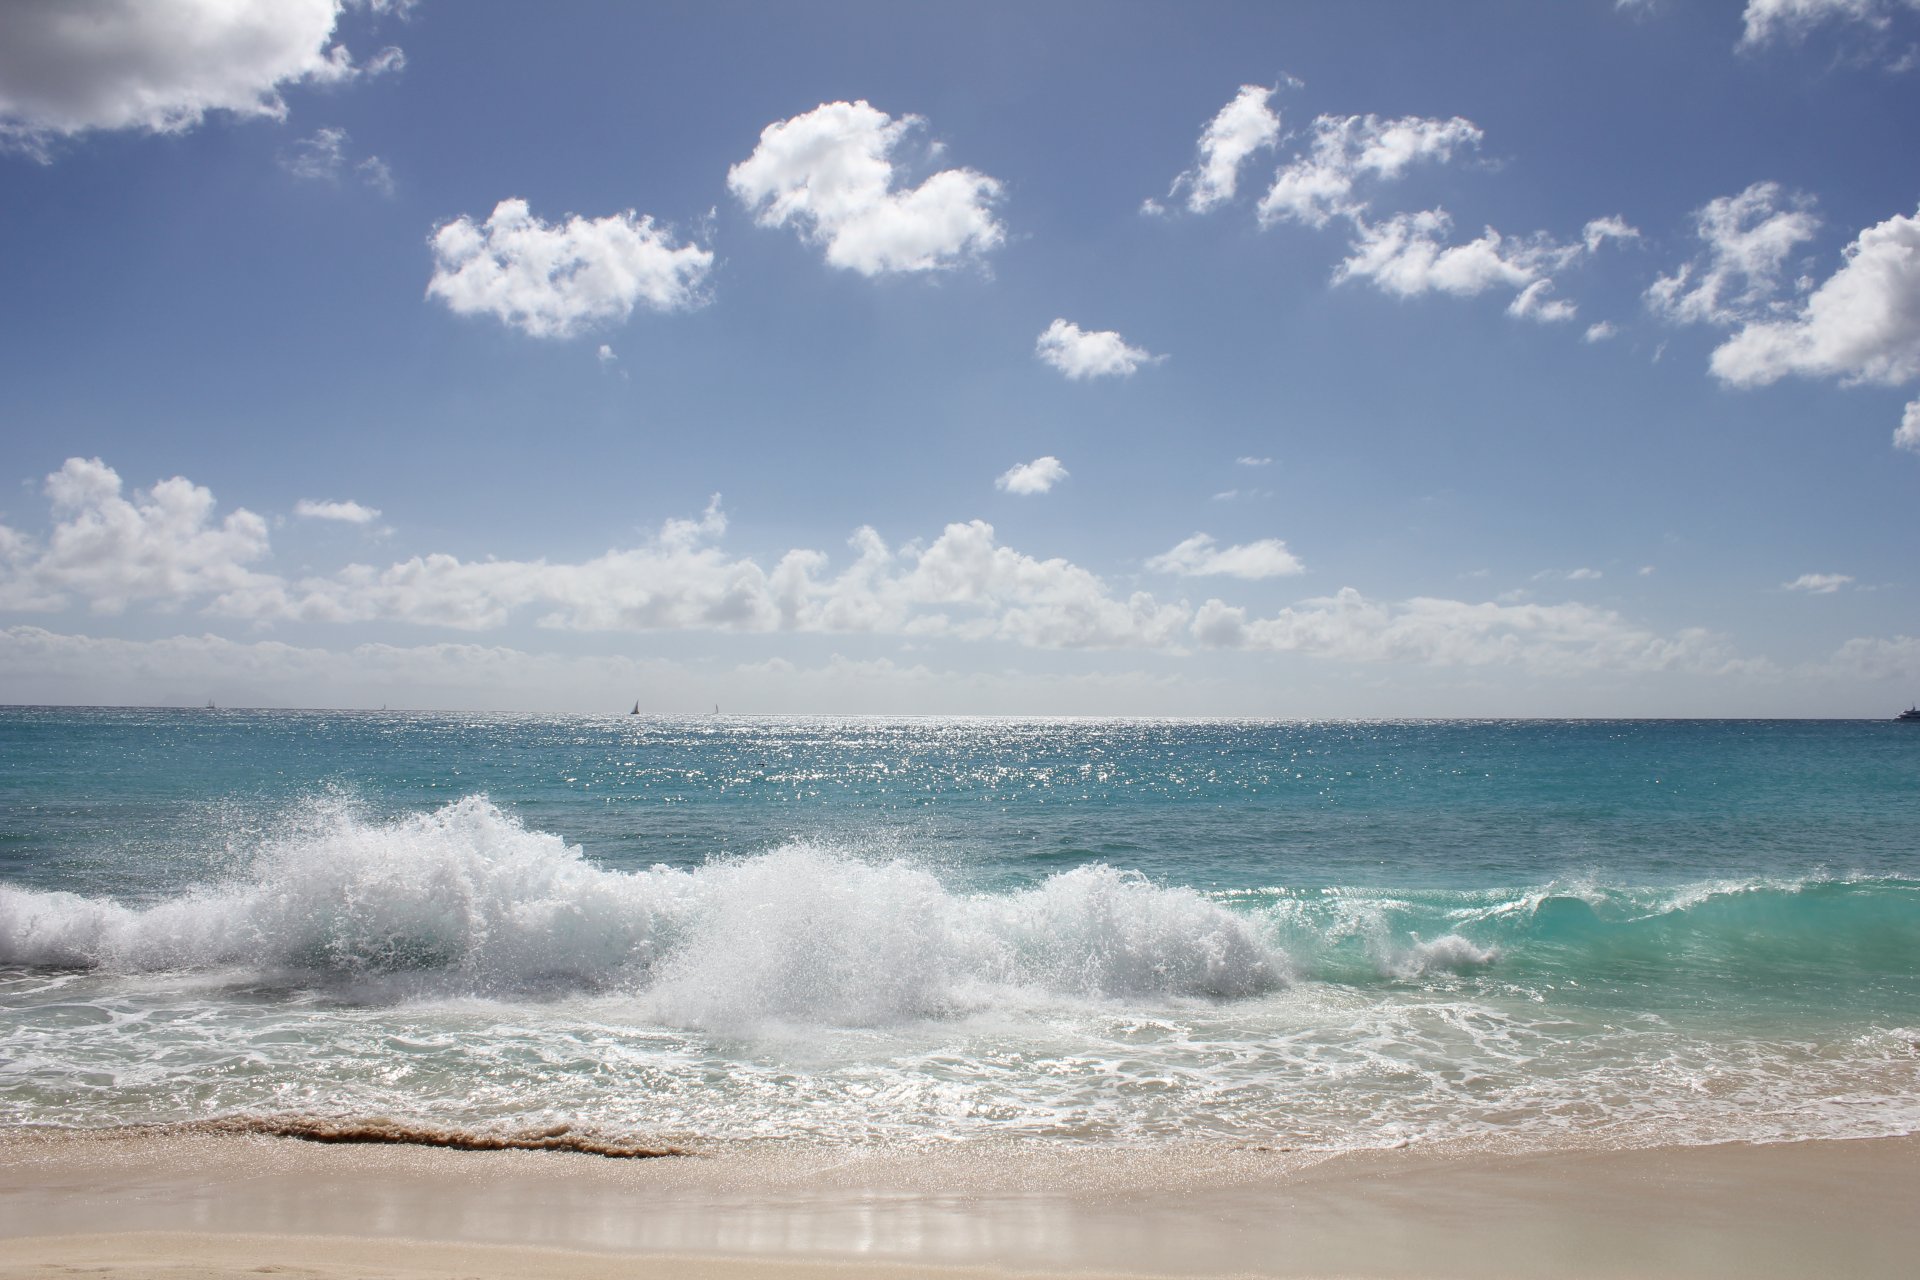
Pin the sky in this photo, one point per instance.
(1359, 359)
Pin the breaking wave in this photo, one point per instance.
(466, 900)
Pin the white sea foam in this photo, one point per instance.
(466, 899)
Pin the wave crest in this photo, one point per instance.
(467, 900)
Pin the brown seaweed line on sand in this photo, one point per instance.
(391, 1132)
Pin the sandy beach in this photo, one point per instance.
(170, 1204)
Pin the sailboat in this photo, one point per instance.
(636, 709)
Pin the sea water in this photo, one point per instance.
(721, 931)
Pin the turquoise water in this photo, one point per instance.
(723, 930)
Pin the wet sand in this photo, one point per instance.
(173, 1204)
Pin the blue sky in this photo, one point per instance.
(1359, 359)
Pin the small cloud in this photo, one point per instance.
(1818, 584)
(318, 158)
(1247, 460)
(605, 355)
(1080, 353)
(830, 173)
(1907, 434)
(1568, 575)
(1532, 303)
(1646, 571)
(347, 512)
(1200, 556)
(1600, 331)
(374, 172)
(1037, 476)
(323, 158)
(1600, 230)
(1242, 127)
(551, 280)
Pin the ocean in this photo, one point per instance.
(726, 932)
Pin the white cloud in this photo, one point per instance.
(110, 551)
(1079, 353)
(160, 65)
(1037, 476)
(1748, 239)
(1200, 556)
(323, 158)
(605, 355)
(1406, 256)
(374, 172)
(319, 157)
(1242, 127)
(346, 512)
(1345, 149)
(1248, 460)
(551, 281)
(1533, 303)
(1766, 20)
(1600, 230)
(1600, 331)
(1861, 325)
(963, 586)
(1907, 434)
(1879, 658)
(1818, 584)
(829, 172)
(1568, 575)
(1556, 639)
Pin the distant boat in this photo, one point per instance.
(211, 707)
(1911, 713)
(636, 710)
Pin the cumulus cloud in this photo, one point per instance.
(554, 280)
(165, 548)
(1080, 353)
(1200, 556)
(1411, 254)
(1407, 255)
(1747, 241)
(345, 512)
(830, 174)
(1345, 150)
(161, 545)
(1242, 127)
(1600, 331)
(1037, 476)
(1818, 584)
(1861, 325)
(161, 65)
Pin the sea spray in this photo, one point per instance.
(466, 900)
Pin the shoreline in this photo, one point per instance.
(137, 1205)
